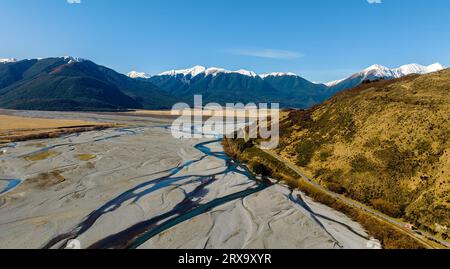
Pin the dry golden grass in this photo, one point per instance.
(41, 156)
(14, 123)
(14, 128)
(85, 157)
(390, 236)
(385, 144)
(41, 181)
(46, 180)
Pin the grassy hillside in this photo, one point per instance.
(55, 92)
(386, 144)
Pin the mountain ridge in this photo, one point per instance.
(377, 71)
(288, 89)
(219, 85)
(380, 70)
(69, 83)
(80, 84)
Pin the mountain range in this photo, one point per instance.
(7, 60)
(224, 86)
(288, 89)
(69, 83)
(376, 72)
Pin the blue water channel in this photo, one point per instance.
(189, 208)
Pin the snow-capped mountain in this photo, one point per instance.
(222, 85)
(376, 71)
(217, 85)
(214, 71)
(135, 74)
(334, 83)
(278, 74)
(68, 59)
(194, 71)
(417, 69)
(201, 70)
(7, 60)
(384, 72)
(71, 59)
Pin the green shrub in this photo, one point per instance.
(335, 187)
(305, 152)
(361, 164)
(324, 155)
(242, 144)
(387, 208)
(261, 169)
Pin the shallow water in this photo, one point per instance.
(12, 184)
(189, 208)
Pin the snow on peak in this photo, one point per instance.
(194, 71)
(8, 60)
(214, 71)
(246, 73)
(278, 74)
(135, 74)
(334, 83)
(403, 70)
(379, 71)
(411, 69)
(375, 67)
(435, 67)
(416, 69)
(71, 59)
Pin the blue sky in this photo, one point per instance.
(321, 40)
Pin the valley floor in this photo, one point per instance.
(15, 128)
(138, 187)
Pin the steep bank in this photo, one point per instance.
(264, 164)
(385, 144)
